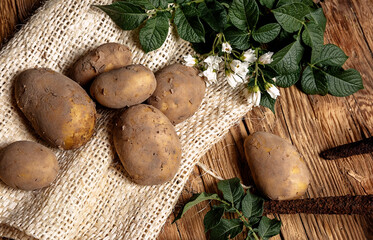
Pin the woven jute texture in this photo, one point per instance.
(92, 198)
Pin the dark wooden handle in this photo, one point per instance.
(348, 150)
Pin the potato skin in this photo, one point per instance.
(122, 87)
(147, 145)
(277, 168)
(104, 58)
(58, 108)
(179, 92)
(27, 165)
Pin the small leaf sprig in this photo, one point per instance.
(248, 210)
(285, 37)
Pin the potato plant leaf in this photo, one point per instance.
(252, 206)
(227, 228)
(268, 227)
(213, 218)
(267, 33)
(291, 16)
(244, 14)
(126, 15)
(197, 198)
(189, 26)
(232, 190)
(154, 33)
(313, 82)
(344, 82)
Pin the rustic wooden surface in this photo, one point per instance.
(311, 123)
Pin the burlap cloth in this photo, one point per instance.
(92, 198)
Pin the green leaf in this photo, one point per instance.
(126, 15)
(313, 35)
(147, 4)
(287, 59)
(291, 17)
(268, 227)
(268, 3)
(284, 2)
(212, 218)
(343, 83)
(232, 190)
(188, 25)
(252, 205)
(154, 33)
(195, 199)
(267, 33)
(239, 39)
(313, 82)
(287, 80)
(163, 4)
(330, 55)
(214, 14)
(318, 17)
(268, 102)
(244, 14)
(227, 228)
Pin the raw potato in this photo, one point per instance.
(104, 58)
(124, 87)
(277, 168)
(179, 92)
(28, 165)
(58, 108)
(147, 145)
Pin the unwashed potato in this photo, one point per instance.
(27, 165)
(104, 58)
(147, 145)
(58, 108)
(179, 92)
(122, 87)
(277, 168)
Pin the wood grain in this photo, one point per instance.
(311, 123)
(13, 13)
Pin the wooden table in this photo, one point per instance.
(311, 123)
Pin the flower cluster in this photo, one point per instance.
(239, 68)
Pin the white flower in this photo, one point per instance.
(266, 58)
(213, 62)
(210, 74)
(226, 47)
(273, 91)
(190, 61)
(249, 56)
(240, 68)
(274, 79)
(253, 96)
(233, 79)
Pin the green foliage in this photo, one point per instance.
(154, 33)
(244, 14)
(267, 101)
(293, 29)
(267, 33)
(247, 208)
(126, 15)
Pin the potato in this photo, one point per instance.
(147, 145)
(27, 165)
(277, 168)
(58, 108)
(179, 92)
(104, 58)
(124, 87)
